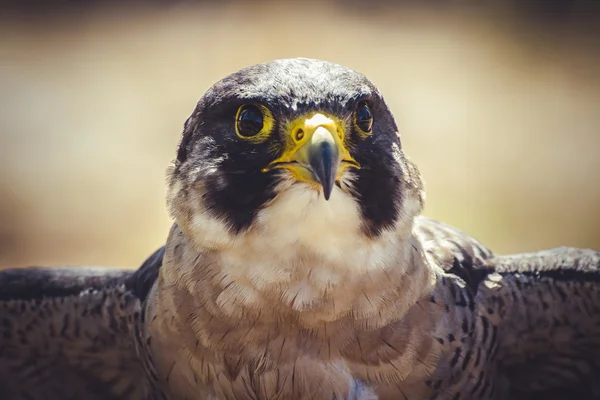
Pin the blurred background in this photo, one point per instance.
(498, 103)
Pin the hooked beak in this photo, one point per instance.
(323, 158)
(317, 154)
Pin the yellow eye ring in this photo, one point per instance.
(253, 122)
(363, 119)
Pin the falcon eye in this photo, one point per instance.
(249, 121)
(254, 123)
(363, 118)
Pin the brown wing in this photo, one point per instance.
(546, 306)
(67, 333)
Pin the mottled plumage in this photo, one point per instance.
(298, 267)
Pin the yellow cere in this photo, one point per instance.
(298, 133)
(265, 132)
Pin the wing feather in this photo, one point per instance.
(547, 308)
(67, 333)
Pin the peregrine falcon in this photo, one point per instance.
(298, 267)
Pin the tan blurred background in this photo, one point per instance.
(498, 104)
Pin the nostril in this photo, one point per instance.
(299, 135)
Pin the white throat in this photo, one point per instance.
(300, 225)
(303, 253)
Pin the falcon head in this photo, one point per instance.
(300, 149)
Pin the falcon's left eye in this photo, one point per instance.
(363, 117)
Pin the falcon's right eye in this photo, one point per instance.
(253, 122)
(249, 121)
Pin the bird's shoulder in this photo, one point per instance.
(453, 250)
(140, 282)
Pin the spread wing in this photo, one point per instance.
(546, 306)
(67, 333)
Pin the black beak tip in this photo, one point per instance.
(327, 192)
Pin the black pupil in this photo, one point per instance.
(250, 121)
(364, 118)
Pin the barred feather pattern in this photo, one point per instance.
(70, 347)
